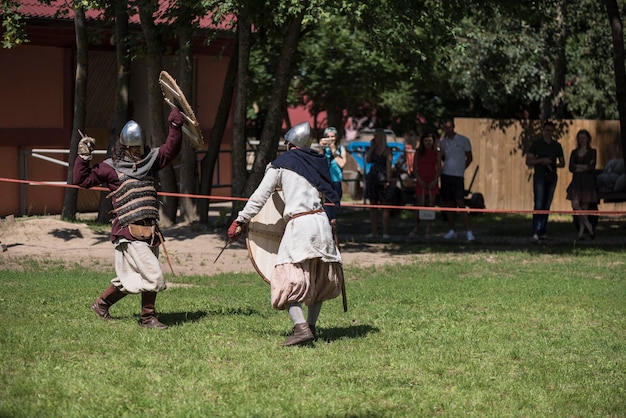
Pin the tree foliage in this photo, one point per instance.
(383, 59)
(504, 58)
(12, 24)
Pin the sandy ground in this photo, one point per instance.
(192, 248)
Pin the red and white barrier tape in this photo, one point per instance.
(611, 213)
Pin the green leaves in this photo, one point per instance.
(506, 58)
(12, 24)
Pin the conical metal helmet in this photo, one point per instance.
(131, 135)
(299, 135)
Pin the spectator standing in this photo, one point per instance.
(409, 151)
(546, 156)
(351, 129)
(378, 180)
(336, 157)
(456, 154)
(582, 190)
(427, 170)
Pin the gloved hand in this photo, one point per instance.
(175, 118)
(86, 147)
(333, 226)
(235, 230)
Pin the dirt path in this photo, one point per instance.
(192, 248)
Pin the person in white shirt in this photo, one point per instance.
(456, 154)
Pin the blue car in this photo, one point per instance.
(359, 149)
(401, 194)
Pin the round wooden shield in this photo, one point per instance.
(174, 97)
(265, 232)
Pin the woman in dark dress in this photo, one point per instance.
(582, 190)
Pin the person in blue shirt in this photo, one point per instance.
(336, 157)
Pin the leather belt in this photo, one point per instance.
(310, 212)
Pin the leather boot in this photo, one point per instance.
(102, 304)
(312, 328)
(148, 315)
(301, 335)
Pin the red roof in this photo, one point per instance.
(62, 10)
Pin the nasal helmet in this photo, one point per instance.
(299, 135)
(131, 135)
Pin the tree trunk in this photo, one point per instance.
(560, 65)
(167, 176)
(617, 32)
(80, 110)
(334, 115)
(122, 85)
(189, 165)
(217, 133)
(240, 172)
(554, 62)
(268, 146)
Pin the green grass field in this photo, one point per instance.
(522, 333)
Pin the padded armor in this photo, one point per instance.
(136, 200)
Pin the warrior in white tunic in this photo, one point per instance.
(308, 264)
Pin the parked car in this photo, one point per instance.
(366, 135)
(358, 150)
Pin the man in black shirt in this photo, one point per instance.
(546, 156)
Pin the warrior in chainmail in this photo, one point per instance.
(130, 176)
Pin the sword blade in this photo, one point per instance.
(223, 248)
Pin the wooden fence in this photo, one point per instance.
(500, 146)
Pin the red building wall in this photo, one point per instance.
(35, 78)
(10, 192)
(39, 81)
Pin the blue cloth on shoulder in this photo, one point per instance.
(312, 166)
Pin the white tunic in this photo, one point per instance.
(306, 237)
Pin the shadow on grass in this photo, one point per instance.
(555, 247)
(337, 333)
(179, 318)
(494, 233)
